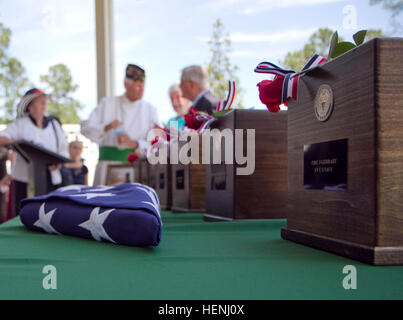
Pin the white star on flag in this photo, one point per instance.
(45, 219)
(96, 225)
(99, 188)
(90, 196)
(155, 201)
(70, 188)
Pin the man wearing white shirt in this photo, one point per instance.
(120, 125)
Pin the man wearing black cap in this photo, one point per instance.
(120, 125)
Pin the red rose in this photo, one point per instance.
(271, 92)
(164, 135)
(133, 157)
(192, 119)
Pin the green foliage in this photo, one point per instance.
(359, 37)
(342, 47)
(294, 60)
(319, 43)
(13, 80)
(338, 48)
(396, 8)
(5, 35)
(14, 83)
(220, 114)
(60, 86)
(333, 43)
(220, 69)
(374, 33)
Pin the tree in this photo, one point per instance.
(15, 84)
(13, 80)
(396, 8)
(374, 33)
(5, 35)
(220, 69)
(60, 86)
(319, 43)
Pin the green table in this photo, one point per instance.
(196, 260)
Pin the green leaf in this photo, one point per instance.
(341, 48)
(333, 44)
(222, 113)
(359, 37)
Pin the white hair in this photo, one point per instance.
(174, 88)
(196, 74)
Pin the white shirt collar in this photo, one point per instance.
(201, 95)
(127, 101)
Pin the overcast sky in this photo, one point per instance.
(164, 36)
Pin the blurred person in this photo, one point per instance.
(195, 87)
(3, 186)
(180, 104)
(75, 173)
(120, 125)
(5, 183)
(34, 126)
(9, 193)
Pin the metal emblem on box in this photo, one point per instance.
(324, 103)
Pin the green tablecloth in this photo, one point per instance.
(196, 260)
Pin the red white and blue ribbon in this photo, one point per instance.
(227, 104)
(206, 125)
(203, 119)
(206, 119)
(291, 78)
(315, 61)
(223, 105)
(268, 67)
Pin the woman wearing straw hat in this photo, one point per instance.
(34, 126)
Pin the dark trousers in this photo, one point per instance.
(20, 192)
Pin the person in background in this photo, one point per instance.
(181, 106)
(117, 178)
(120, 125)
(4, 182)
(7, 183)
(75, 173)
(34, 126)
(195, 87)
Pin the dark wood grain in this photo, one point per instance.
(144, 168)
(153, 176)
(164, 185)
(220, 204)
(192, 198)
(350, 215)
(389, 99)
(197, 184)
(262, 195)
(137, 171)
(367, 83)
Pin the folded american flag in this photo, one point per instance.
(128, 214)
